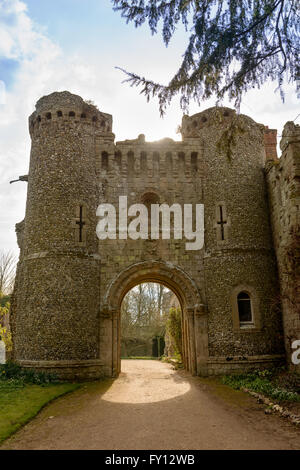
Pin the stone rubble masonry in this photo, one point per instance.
(283, 177)
(69, 287)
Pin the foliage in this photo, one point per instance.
(230, 137)
(233, 45)
(174, 332)
(5, 334)
(6, 337)
(175, 360)
(11, 374)
(23, 392)
(20, 403)
(265, 382)
(4, 299)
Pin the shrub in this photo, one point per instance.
(5, 334)
(261, 381)
(174, 333)
(14, 373)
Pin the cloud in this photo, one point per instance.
(42, 69)
(22, 41)
(20, 38)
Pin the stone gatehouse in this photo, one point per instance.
(237, 300)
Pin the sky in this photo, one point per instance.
(75, 45)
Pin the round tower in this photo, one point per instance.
(55, 316)
(241, 281)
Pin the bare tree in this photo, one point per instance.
(142, 310)
(8, 263)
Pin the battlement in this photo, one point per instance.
(137, 157)
(64, 107)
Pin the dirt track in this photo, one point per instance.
(150, 406)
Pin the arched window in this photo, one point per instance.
(244, 309)
(59, 113)
(71, 114)
(148, 199)
(48, 116)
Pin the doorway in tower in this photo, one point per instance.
(151, 323)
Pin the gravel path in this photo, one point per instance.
(151, 406)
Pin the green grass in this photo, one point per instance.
(23, 393)
(266, 382)
(20, 403)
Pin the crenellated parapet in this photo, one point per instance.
(63, 109)
(139, 158)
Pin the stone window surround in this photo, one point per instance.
(256, 326)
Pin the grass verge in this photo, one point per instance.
(20, 405)
(276, 384)
(23, 394)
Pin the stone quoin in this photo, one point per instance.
(239, 294)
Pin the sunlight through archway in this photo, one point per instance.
(146, 381)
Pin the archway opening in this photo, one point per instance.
(151, 324)
(194, 321)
